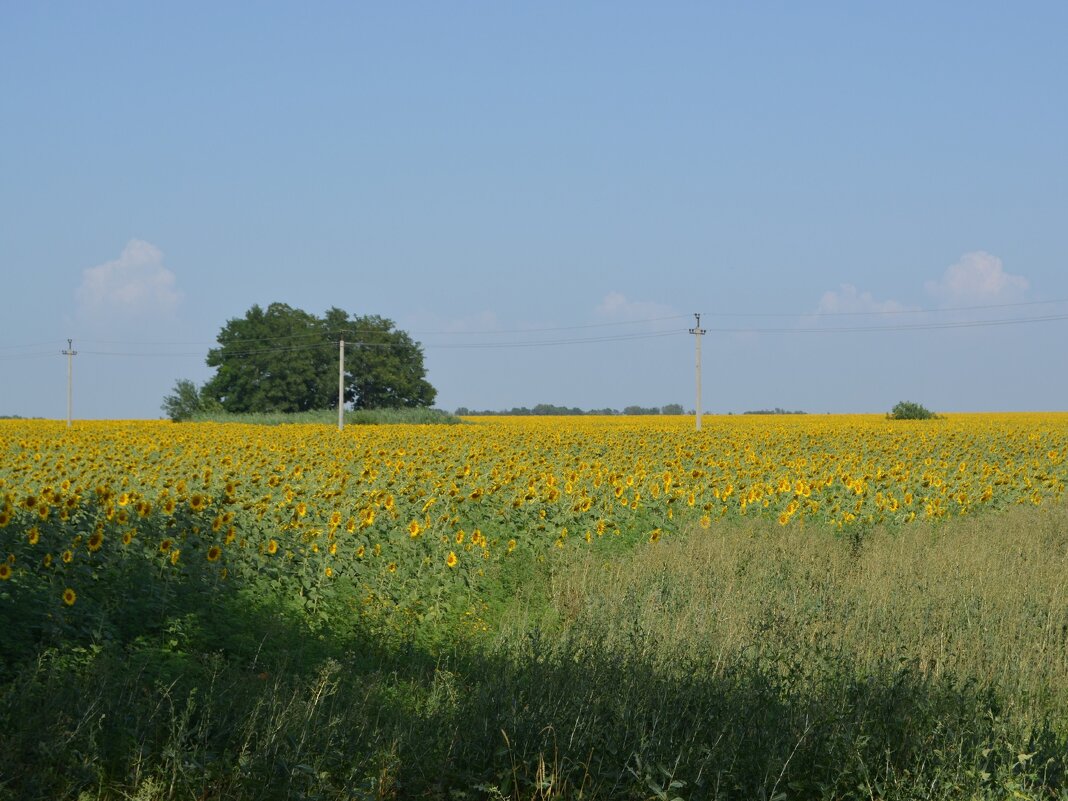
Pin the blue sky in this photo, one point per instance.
(496, 173)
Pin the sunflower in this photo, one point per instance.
(174, 556)
(69, 596)
(67, 557)
(165, 545)
(5, 571)
(414, 529)
(272, 547)
(451, 559)
(33, 535)
(214, 552)
(198, 502)
(95, 541)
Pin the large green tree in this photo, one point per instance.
(285, 359)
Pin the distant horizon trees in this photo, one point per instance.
(572, 411)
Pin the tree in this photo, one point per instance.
(383, 365)
(285, 360)
(185, 401)
(908, 410)
(672, 408)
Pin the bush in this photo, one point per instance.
(907, 410)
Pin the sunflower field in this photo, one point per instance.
(408, 510)
(126, 532)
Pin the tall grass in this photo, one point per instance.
(742, 661)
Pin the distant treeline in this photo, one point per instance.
(550, 409)
(776, 410)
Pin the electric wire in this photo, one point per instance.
(7, 354)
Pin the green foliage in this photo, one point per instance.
(746, 662)
(641, 410)
(907, 410)
(282, 359)
(187, 402)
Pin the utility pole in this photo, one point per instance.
(70, 353)
(341, 385)
(698, 332)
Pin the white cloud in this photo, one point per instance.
(847, 299)
(616, 306)
(134, 285)
(978, 277)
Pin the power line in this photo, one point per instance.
(900, 327)
(887, 312)
(536, 343)
(331, 337)
(439, 346)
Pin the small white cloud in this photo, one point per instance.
(616, 306)
(978, 277)
(847, 299)
(134, 285)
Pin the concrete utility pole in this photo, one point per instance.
(70, 353)
(341, 385)
(698, 332)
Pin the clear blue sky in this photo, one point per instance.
(473, 170)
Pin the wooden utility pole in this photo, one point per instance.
(341, 385)
(70, 353)
(698, 332)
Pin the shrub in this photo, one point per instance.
(907, 410)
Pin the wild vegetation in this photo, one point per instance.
(360, 417)
(815, 608)
(910, 410)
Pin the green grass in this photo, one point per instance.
(743, 661)
(419, 416)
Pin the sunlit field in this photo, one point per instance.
(614, 607)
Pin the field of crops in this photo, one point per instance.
(169, 539)
(416, 503)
